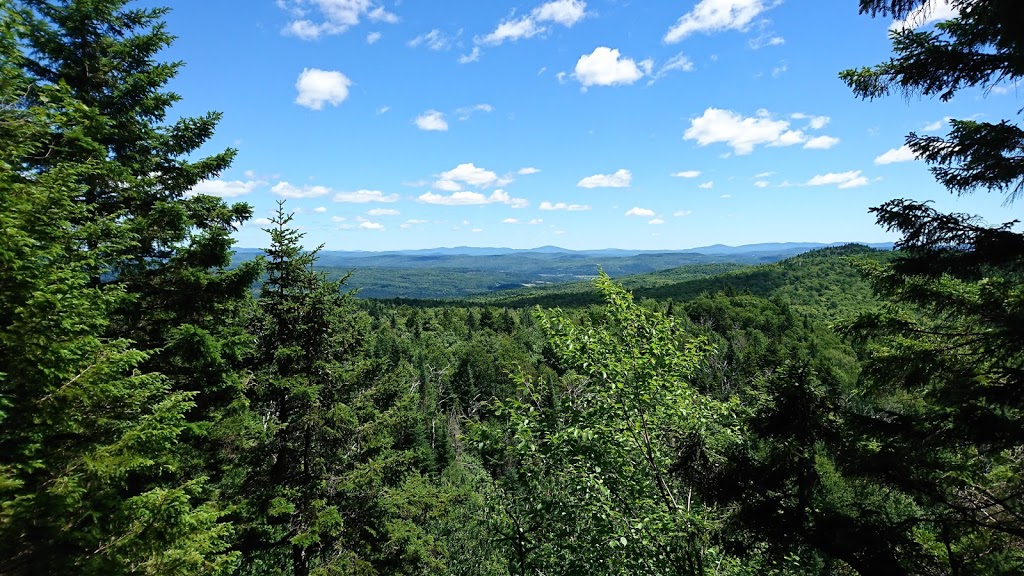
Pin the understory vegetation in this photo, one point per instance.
(163, 411)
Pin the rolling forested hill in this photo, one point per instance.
(464, 272)
(823, 282)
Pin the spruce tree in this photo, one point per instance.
(88, 437)
(946, 370)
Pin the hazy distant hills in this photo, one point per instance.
(461, 272)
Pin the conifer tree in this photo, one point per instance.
(173, 248)
(946, 369)
(88, 438)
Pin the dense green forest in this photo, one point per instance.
(845, 411)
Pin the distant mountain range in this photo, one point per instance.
(791, 248)
(463, 271)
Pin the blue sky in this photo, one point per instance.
(654, 125)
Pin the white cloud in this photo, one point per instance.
(434, 40)
(467, 174)
(373, 37)
(383, 212)
(707, 185)
(447, 186)
(287, 190)
(762, 183)
(318, 87)
(928, 12)
(622, 178)
(564, 206)
(901, 154)
(678, 62)
(320, 209)
(637, 211)
(681, 213)
(379, 14)
(337, 16)
(766, 40)
(851, 179)
(814, 122)
(472, 199)
(262, 222)
(933, 126)
(225, 188)
(511, 221)
(564, 12)
(364, 196)
(605, 67)
(726, 196)
(743, 134)
(371, 226)
(338, 219)
(656, 221)
(431, 120)
(512, 30)
(473, 56)
(465, 112)
(383, 109)
(821, 143)
(687, 174)
(1004, 89)
(527, 171)
(715, 16)
(410, 223)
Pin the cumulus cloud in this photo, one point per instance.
(716, 16)
(821, 143)
(466, 174)
(431, 120)
(364, 197)
(901, 154)
(687, 174)
(622, 178)
(318, 87)
(225, 188)
(851, 179)
(527, 171)
(383, 212)
(928, 12)
(606, 67)
(564, 206)
(564, 12)
(371, 226)
(743, 134)
(287, 190)
(336, 16)
(466, 198)
(637, 211)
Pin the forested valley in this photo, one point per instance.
(844, 411)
